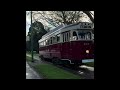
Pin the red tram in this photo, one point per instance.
(69, 44)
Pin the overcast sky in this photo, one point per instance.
(28, 21)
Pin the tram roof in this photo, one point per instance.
(63, 28)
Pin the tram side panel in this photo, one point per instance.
(78, 50)
(65, 50)
(55, 51)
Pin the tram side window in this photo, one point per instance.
(58, 38)
(84, 35)
(63, 37)
(46, 42)
(75, 35)
(54, 39)
(89, 36)
(41, 43)
(51, 40)
(68, 36)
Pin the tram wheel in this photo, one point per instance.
(41, 57)
(56, 61)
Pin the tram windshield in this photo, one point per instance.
(84, 35)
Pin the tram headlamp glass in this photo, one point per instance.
(87, 51)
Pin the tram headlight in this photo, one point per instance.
(87, 51)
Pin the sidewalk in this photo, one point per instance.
(30, 73)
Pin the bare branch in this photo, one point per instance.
(46, 19)
(89, 15)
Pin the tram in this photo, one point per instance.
(69, 44)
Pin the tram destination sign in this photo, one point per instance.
(86, 25)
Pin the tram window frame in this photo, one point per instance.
(54, 39)
(66, 36)
(74, 37)
(58, 36)
(46, 41)
(42, 43)
(51, 40)
(84, 35)
(62, 37)
(69, 36)
(63, 34)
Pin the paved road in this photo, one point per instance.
(30, 73)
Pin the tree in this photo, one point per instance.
(38, 31)
(56, 18)
(28, 48)
(89, 15)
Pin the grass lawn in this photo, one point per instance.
(52, 72)
(28, 58)
(30, 52)
(90, 64)
(49, 71)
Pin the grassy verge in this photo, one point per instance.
(28, 59)
(51, 72)
(35, 54)
(90, 64)
(30, 52)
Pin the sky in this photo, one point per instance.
(28, 21)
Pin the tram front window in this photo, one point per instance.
(84, 35)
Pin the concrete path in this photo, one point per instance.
(30, 73)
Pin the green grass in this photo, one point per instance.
(90, 64)
(52, 72)
(28, 58)
(30, 52)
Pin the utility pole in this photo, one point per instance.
(31, 38)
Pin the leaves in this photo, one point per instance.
(38, 31)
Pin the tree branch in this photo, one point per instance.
(89, 15)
